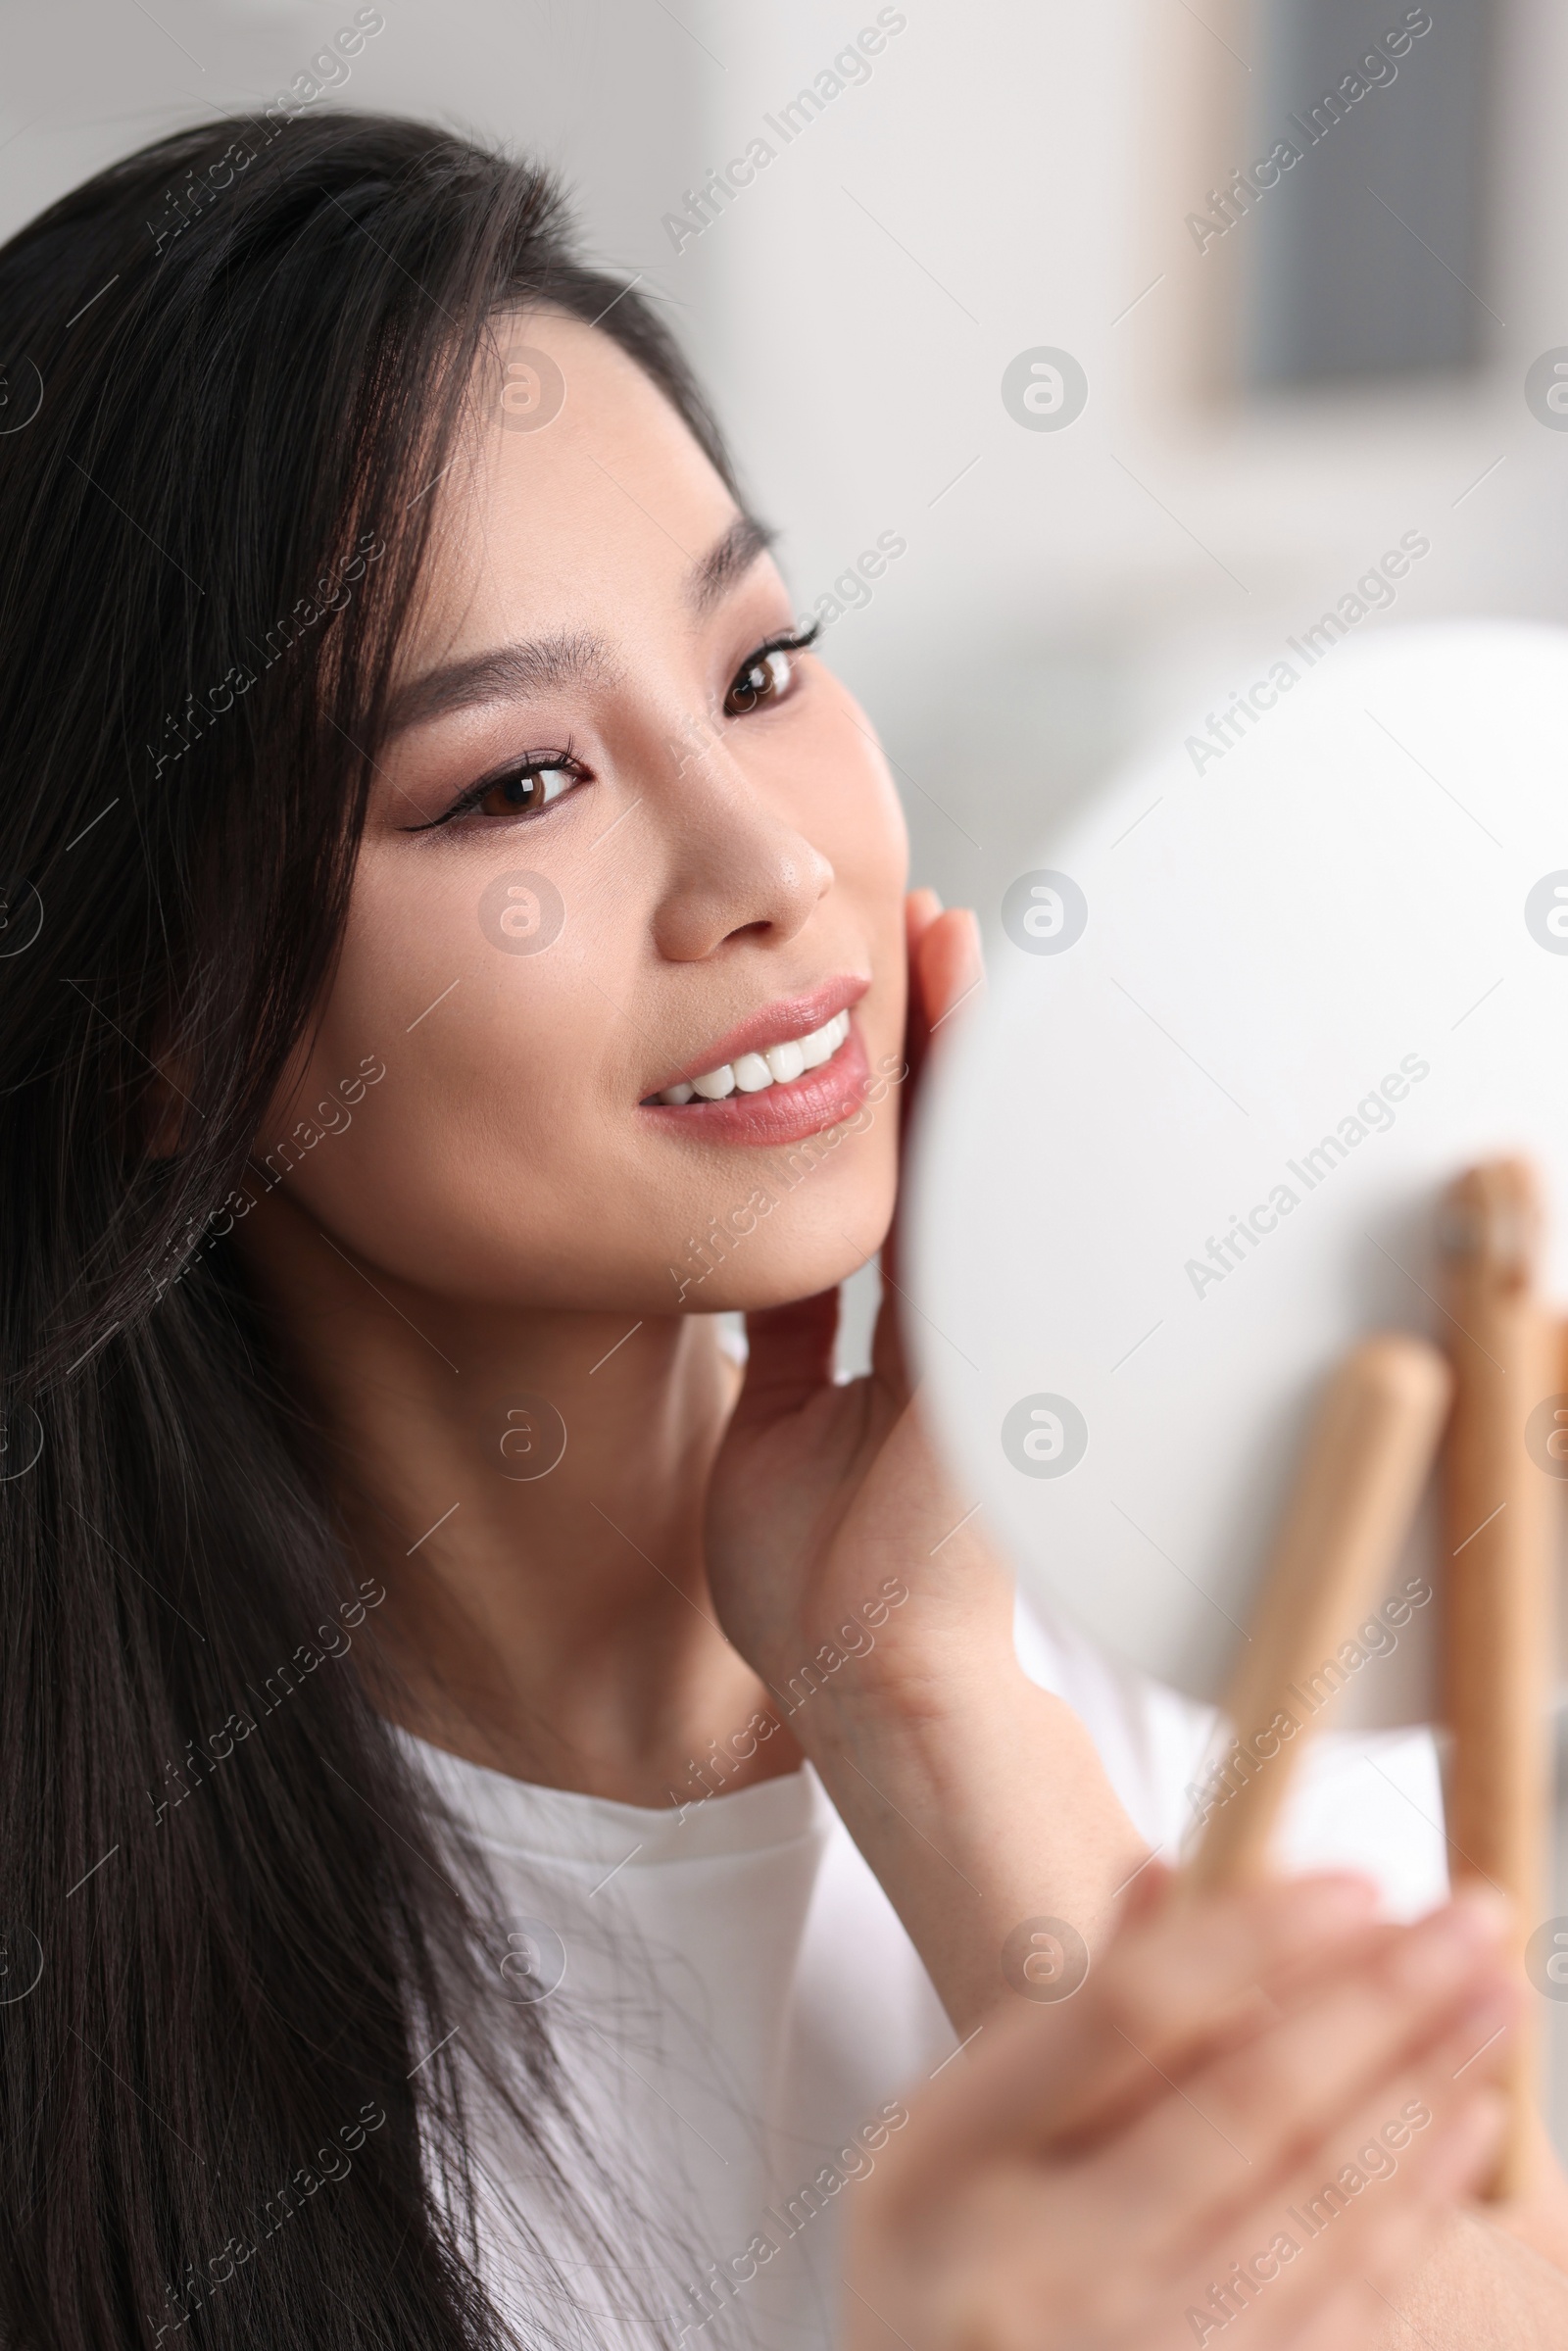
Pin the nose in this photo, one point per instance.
(736, 866)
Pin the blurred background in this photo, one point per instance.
(1084, 356)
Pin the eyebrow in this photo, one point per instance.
(726, 561)
(510, 672)
(504, 673)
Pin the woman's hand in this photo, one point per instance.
(825, 1496)
(1260, 2105)
(853, 1574)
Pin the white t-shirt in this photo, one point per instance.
(743, 2014)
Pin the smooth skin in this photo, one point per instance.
(496, 1243)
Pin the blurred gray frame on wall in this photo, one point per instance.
(1367, 256)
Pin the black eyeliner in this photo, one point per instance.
(797, 641)
(531, 763)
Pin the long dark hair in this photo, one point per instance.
(230, 367)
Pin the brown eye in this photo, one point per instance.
(526, 792)
(765, 679)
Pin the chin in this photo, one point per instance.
(755, 1260)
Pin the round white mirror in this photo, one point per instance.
(1248, 1013)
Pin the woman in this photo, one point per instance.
(454, 945)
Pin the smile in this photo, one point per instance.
(753, 1073)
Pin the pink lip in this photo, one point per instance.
(779, 1114)
(791, 1016)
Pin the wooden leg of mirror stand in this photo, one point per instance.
(1497, 1516)
(1355, 1492)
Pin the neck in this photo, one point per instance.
(529, 1486)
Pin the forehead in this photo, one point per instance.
(578, 499)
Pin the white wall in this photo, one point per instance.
(605, 93)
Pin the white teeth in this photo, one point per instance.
(821, 1045)
(824, 1042)
(753, 1073)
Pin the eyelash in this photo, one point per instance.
(795, 640)
(564, 763)
(517, 771)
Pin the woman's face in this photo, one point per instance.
(616, 844)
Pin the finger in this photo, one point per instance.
(1323, 2238)
(1309, 2249)
(1353, 2203)
(1164, 2001)
(1357, 2205)
(950, 964)
(920, 910)
(1365, 2141)
(1303, 2079)
(1162, 1989)
(944, 962)
(1292, 1981)
(945, 968)
(789, 1358)
(1462, 2155)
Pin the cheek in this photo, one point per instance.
(845, 800)
(873, 866)
(466, 1163)
(856, 820)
